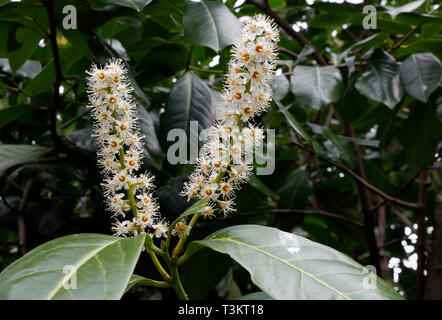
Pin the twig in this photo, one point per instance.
(20, 218)
(58, 73)
(421, 235)
(404, 38)
(406, 204)
(366, 202)
(288, 52)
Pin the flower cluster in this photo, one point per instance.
(120, 151)
(226, 159)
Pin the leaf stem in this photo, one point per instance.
(154, 283)
(177, 284)
(158, 265)
(176, 251)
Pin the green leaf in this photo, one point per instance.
(421, 74)
(380, 79)
(99, 265)
(133, 4)
(210, 24)
(292, 121)
(371, 41)
(287, 266)
(421, 134)
(203, 271)
(295, 191)
(13, 154)
(29, 42)
(343, 147)
(255, 296)
(153, 154)
(197, 207)
(82, 139)
(409, 7)
(261, 187)
(316, 86)
(9, 114)
(189, 100)
(280, 86)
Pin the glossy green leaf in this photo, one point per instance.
(255, 296)
(152, 150)
(316, 86)
(343, 148)
(210, 24)
(287, 266)
(280, 86)
(420, 135)
(295, 191)
(197, 207)
(292, 121)
(421, 74)
(189, 100)
(28, 39)
(133, 4)
(380, 79)
(409, 7)
(12, 113)
(255, 182)
(80, 266)
(13, 154)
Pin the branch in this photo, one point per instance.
(58, 73)
(404, 38)
(20, 219)
(288, 52)
(366, 202)
(421, 234)
(288, 28)
(359, 179)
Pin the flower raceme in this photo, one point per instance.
(120, 150)
(226, 159)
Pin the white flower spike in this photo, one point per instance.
(226, 159)
(120, 151)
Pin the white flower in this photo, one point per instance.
(120, 148)
(181, 228)
(226, 158)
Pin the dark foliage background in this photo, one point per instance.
(357, 115)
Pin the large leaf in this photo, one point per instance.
(421, 74)
(380, 79)
(210, 24)
(12, 113)
(421, 134)
(294, 192)
(189, 100)
(339, 147)
(152, 150)
(80, 266)
(292, 121)
(316, 86)
(287, 266)
(82, 139)
(134, 4)
(13, 154)
(409, 7)
(28, 39)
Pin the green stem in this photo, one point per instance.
(205, 70)
(177, 284)
(154, 283)
(183, 239)
(158, 265)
